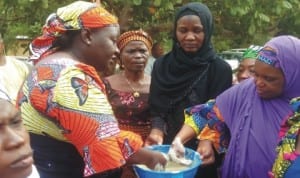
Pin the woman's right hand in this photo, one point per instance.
(152, 159)
(155, 137)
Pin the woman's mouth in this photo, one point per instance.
(23, 162)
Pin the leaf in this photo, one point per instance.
(45, 4)
(137, 2)
(251, 29)
(287, 5)
(264, 17)
(170, 6)
(157, 3)
(233, 11)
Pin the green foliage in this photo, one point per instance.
(238, 23)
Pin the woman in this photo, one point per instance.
(10, 65)
(72, 128)
(16, 159)
(246, 66)
(191, 73)
(252, 111)
(128, 91)
(288, 149)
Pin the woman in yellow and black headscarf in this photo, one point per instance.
(63, 102)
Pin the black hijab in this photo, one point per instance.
(175, 72)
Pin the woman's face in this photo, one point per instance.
(134, 56)
(269, 80)
(245, 69)
(190, 33)
(15, 154)
(103, 47)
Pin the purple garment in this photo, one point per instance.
(254, 123)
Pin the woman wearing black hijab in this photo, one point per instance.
(191, 73)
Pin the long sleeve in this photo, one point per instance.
(208, 123)
(69, 104)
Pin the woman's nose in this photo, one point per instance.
(13, 138)
(245, 74)
(190, 36)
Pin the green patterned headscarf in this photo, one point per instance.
(251, 52)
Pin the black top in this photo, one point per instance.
(216, 78)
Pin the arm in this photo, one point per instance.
(201, 120)
(186, 133)
(156, 135)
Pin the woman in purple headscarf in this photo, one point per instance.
(252, 111)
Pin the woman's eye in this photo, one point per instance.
(16, 122)
(270, 79)
(143, 51)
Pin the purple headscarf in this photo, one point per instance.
(254, 122)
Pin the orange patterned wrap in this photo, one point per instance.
(75, 16)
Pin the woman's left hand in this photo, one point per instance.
(206, 150)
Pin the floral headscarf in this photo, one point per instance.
(76, 16)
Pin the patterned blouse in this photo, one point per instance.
(66, 100)
(132, 112)
(208, 123)
(287, 162)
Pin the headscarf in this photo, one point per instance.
(75, 16)
(176, 71)
(255, 122)
(134, 35)
(251, 52)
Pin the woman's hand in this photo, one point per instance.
(206, 150)
(155, 137)
(177, 152)
(152, 159)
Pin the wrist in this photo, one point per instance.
(156, 131)
(177, 140)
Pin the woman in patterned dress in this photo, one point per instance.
(72, 128)
(128, 91)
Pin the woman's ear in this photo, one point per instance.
(86, 36)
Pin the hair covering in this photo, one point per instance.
(251, 52)
(255, 122)
(177, 70)
(134, 35)
(75, 16)
(268, 55)
(203, 12)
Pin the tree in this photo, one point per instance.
(238, 23)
